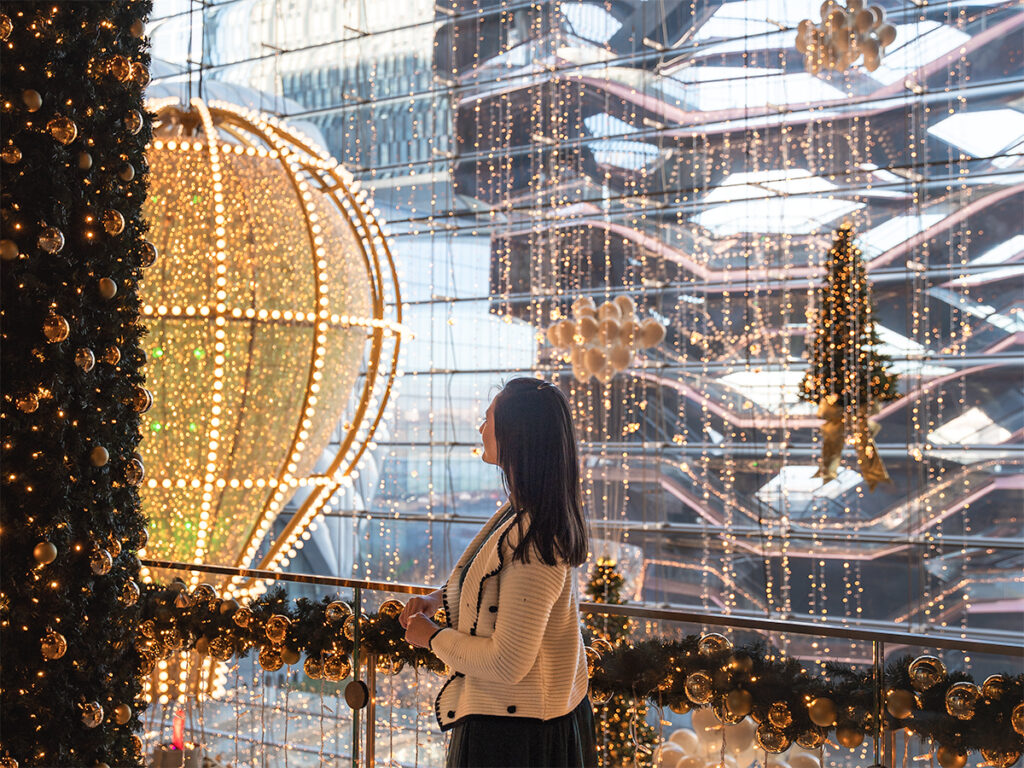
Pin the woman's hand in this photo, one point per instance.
(419, 629)
(426, 604)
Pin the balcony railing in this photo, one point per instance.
(421, 744)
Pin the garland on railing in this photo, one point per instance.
(789, 702)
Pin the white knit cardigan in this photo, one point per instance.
(513, 635)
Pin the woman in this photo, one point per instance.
(518, 695)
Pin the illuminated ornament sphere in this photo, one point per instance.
(270, 659)
(85, 359)
(275, 290)
(277, 628)
(1017, 719)
(63, 129)
(949, 757)
(45, 553)
(51, 239)
(312, 667)
(900, 703)
(92, 714)
(961, 699)
(779, 715)
(812, 738)
(390, 608)
(713, 643)
(129, 593)
(336, 667)
(699, 687)
(771, 740)
(56, 328)
(994, 687)
(999, 758)
(53, 645)
(926, 671)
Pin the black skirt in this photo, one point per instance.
(485, 741)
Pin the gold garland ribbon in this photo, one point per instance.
(862, 431)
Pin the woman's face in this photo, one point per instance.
(490, 454)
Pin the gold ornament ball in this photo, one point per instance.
(127, 172)
(812, 738)
(129, 593)
(85, 359)
(312, 668)
(699, 687)
(740, 702)
(961, 700)
(147, 254)
(10, 154)
(270, 659)
(242, 617)
(680, 707)
(134, 473)
(221, 649)
(771, 740)
(122, 714)
(44, 553)
(28, 403)
(391, 608)
(741, 662)
(999, 758)
(1017, 719)
(724, 713)
(994, 687)
(100, 562)
(92, 714)
(113, 546)
(849, 737)
(56, 328)
(111, 355)
(822, 711)
(336, 667)
(133, 121)
(32, 99)
(141, 400)
(8, 250)
(99, 456)
(6, 27)
(113, 222)
(900, 703)
(50, 240)
(204, 593)
(140, 75)
(119, 67)
(289, 655)
(108, 288)
(53, 645)
(63, 129)
(349, 628)
(336, 611)
(137, 29)
(277, 628)
(779, 715)
(951, 758)
(6, 761)
(713, 643)
(926, 671)
(84, 161)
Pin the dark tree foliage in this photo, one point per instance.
(73, 184)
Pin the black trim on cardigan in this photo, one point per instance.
(486, 576)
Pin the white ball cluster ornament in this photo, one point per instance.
(600, 340)
(844, 35)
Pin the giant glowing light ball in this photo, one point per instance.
(273, 311)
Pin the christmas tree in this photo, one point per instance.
(72, 244)
(847, 378)
(621, 723)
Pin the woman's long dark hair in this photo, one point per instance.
(537, 454)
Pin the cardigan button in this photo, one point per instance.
(493, 609)
(511, 709)
(451, 713)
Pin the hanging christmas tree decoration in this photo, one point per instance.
(843, 36)
(601, 340)
(847, 378)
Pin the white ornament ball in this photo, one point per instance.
(740, 737)
(667, 755)
(803, 761)
(706, 726)
(686, 739)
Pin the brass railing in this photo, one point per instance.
(878, 639)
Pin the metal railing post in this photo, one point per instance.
(878, 662)
(357, 598)
(371, 711)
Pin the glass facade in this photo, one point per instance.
(527, 154)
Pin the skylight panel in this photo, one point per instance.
(896, 230)
(772, 390)
(631, 155)
(719, 88)
(917, 44)
(785, 215)
(973, 427)
(983, 133)
(590, 21)
(603, 124)
(787, 181)
(1005, 251)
